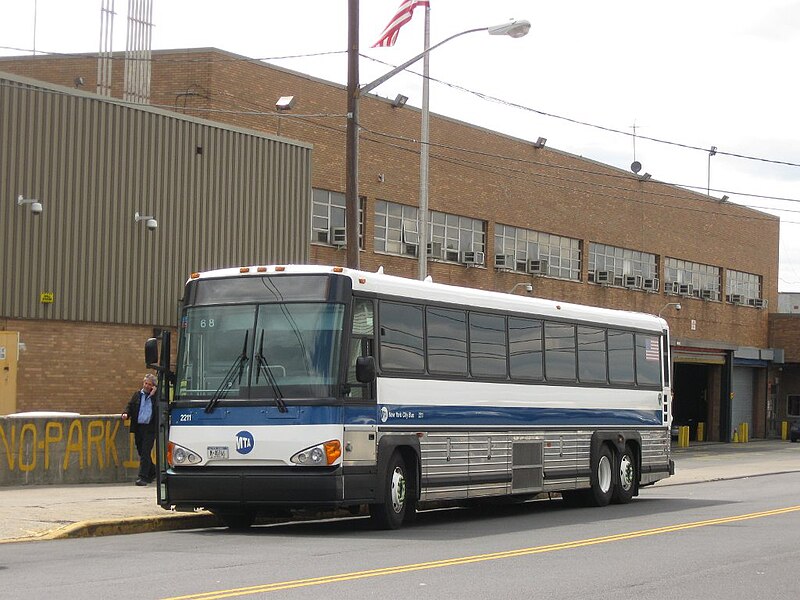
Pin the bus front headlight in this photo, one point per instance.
(323, 454)
(178, 455)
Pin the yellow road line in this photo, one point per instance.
(451, 562)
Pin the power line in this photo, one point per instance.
(574, 121)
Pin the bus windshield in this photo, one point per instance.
(272, 351)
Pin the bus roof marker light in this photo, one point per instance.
(280, 269)
(262, 269)
(362, 280)
(338, 269)
(244, 269)
(194, 276)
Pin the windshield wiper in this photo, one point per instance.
(227, 381)
(263, 367)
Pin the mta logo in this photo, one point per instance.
(244, 442)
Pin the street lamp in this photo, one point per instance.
(711, 152)
(677, 306)
(354, 90)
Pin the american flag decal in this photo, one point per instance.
(651, 350)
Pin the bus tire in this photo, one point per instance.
(390, 513)
(625, 485)
(236, 520)
(602, 478)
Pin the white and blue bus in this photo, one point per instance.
(322, 387)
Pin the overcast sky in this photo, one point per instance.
(697, 73)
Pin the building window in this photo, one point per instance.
(518, 249)
(451, 235)
(611, 265)
(396, 228)
(691, 279)
(397, 232)
(793, 406)
(328, 218)
(743, 288)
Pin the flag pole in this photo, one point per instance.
(424, 153)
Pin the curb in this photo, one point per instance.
(124, 526)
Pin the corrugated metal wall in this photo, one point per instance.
(222, 197)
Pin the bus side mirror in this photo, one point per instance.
(365, 369)
(151, 352)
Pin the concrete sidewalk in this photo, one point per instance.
(52, 512)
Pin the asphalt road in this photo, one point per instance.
(731, 539)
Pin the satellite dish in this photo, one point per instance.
(636, 166)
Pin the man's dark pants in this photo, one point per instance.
(145, 439)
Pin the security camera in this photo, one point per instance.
(529, 288)
(36, 208)
(152, 224)
(677, 307)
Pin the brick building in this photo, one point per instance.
(502, 211)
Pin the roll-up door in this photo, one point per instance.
(742, 402)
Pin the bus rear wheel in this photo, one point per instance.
(602, 478)
(390, 513)
(626, 470)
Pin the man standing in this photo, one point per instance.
(141, 410)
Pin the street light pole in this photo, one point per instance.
(513, 29)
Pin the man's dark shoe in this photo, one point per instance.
(141, 482)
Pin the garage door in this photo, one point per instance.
(742, 404)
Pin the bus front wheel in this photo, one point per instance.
(390, 513)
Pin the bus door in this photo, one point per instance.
(360, 409)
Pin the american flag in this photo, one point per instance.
(651, 351)
(403, 16)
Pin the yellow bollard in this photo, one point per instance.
(744, 433)
(701, 432)
(683, 436)
(785, 430)
(735, 436)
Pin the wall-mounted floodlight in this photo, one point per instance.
(528, 287)
(285, 103)
(677, 306)
(150, 222)
(645, 177)
(36, 206)
(540, 142)
(399, 101)
(724, 198)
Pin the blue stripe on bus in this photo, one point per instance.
(456, 416)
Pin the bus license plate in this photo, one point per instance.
(217, 452)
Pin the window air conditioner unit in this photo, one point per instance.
(472, 258)
(338, 236)
(537, 266)
(633, 281)
(434, 250)
(619, 280)
(603, 277)
(650, 284)
(736, 299)
(504, 261)
(321, 235)
(411, 249)
(671, 287)
(708, 295)
(757, 302)
(686, 289)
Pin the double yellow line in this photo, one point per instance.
(452, 562)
